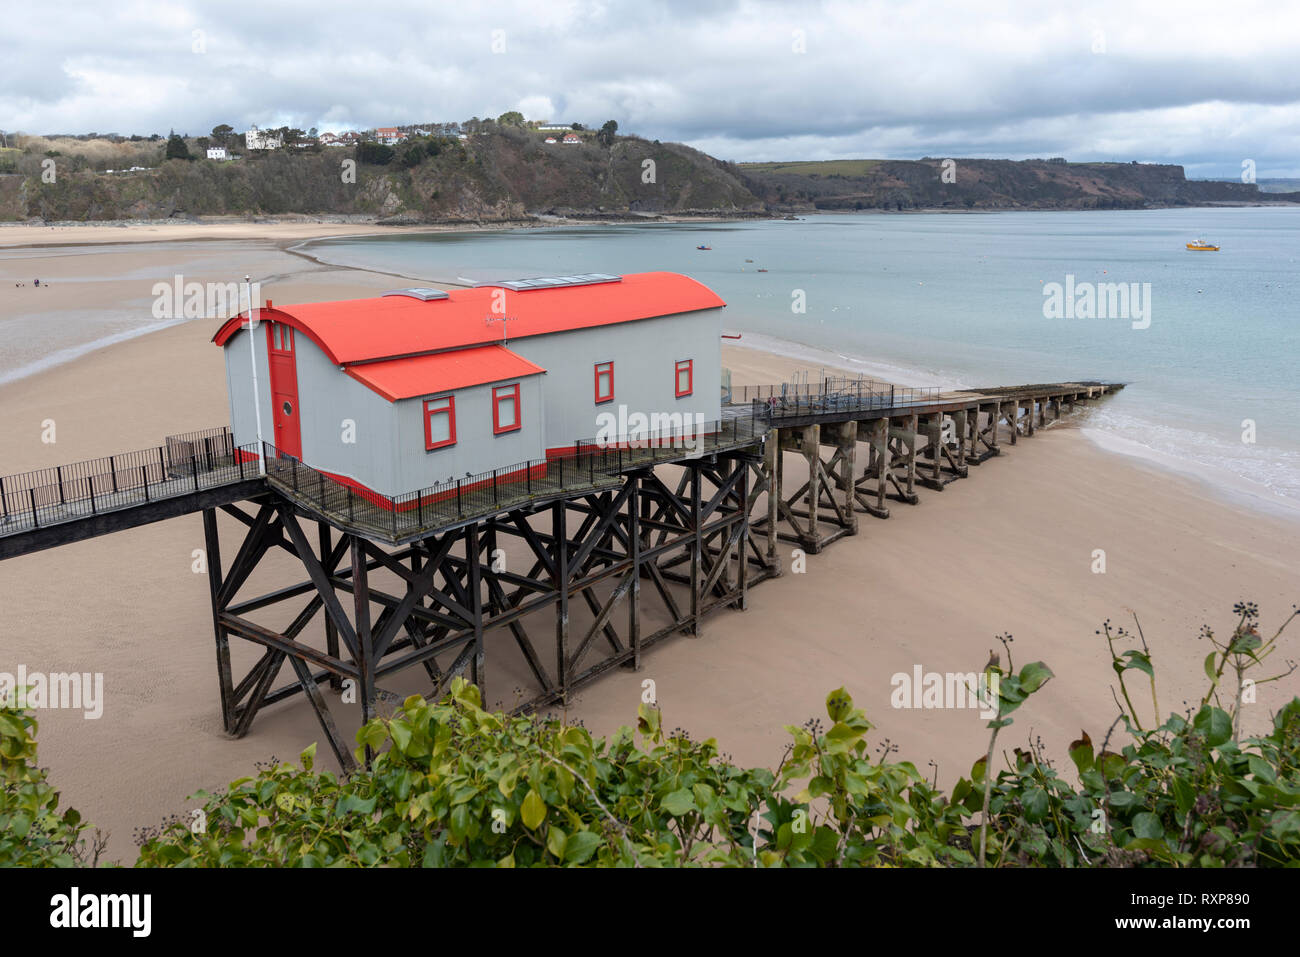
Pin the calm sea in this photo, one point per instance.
(1210, 340)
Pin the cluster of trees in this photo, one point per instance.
(408, 154)
(513, 119)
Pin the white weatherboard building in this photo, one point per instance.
(420, 386)
(256, 139)
(218, 153)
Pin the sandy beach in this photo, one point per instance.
(1008, 550)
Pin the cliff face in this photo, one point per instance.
(510, 174)
(504, 175)
(992, 184)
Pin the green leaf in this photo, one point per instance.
(1214, 723)
(1147, 825)
(1035, 804)
(506, 785)
(533, 810)
(1209, 666)
(1081, 752)
(1033, 676)
(555, 841)
(580, 846)
(401, 733)
(678, 802)
(1138, 660)
(1262, 770)
(1285, 824)
(647, 719)
(838, 704)
(825, 841)
(1245, 642)
(308, 757)
(460, 820)
(841, 738)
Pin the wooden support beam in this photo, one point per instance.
(331, 630)
(475, 587)
(561, 540)
(634, 556)
(364, 654)
(696, 552)
(847, 446)
(742, 568)
(226, 685)
(811, 443)
(335, 740)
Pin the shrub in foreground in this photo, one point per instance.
(455, 785)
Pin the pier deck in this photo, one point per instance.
(698, 525)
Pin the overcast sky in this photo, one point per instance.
(1208, 85)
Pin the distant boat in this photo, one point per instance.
(1200, 245)
(703, 247)
(749, 260)
(762, 270)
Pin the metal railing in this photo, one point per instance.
(182, 464)
(591, 464)
(195, 461)
(746, 394)
(855, 395)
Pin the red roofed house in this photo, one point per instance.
(418, 386)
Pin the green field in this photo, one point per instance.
(819, 167)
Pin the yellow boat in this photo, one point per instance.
(1200, 245)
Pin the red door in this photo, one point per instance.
(284, 389)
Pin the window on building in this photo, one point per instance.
(505, 408)
(685, 381)
(439, 422)
(604, 382)
(281, 337)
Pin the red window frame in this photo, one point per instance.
(600, 369)
(442, 404)
(687, 366)
(500, 392)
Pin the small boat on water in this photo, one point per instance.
(762, 270)
(703, 247)
(1200, 245)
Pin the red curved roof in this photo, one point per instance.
(365, 330)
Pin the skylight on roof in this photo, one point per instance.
(422, 293)
(552, 282)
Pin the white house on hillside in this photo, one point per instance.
(256, 139)
(218, 153)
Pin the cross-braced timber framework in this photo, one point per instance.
(682, 530)
(906, 449)
(550, 588)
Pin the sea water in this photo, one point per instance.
(1209, 343)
